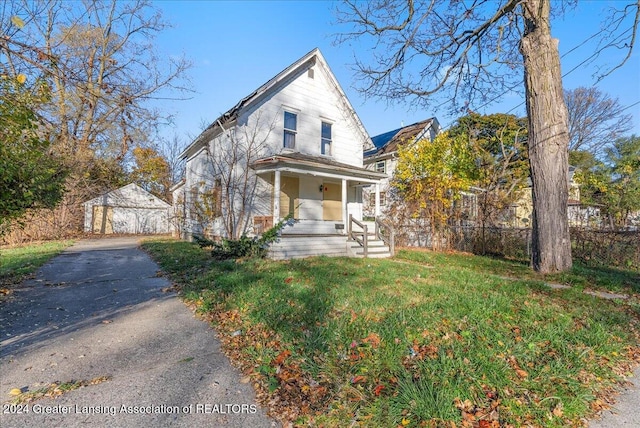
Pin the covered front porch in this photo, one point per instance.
(319, 192)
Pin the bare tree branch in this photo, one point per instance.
(595, 120)
(228, 157)
(614, 37)
(468, 53)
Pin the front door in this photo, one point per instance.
(331, 202)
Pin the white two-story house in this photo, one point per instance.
(295, 145)
(382, 158)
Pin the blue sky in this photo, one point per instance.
(236, 46)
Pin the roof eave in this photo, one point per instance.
(274, 162)
(232, 114)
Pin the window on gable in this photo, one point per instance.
(290, 129)
(381, 166)
(325, 140)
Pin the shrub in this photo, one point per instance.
(248, 247)
(202, 241)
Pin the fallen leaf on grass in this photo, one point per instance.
(521, 373)
(516, 367)
(281, 357)
(358, 379)
(598, 405)
(557, 411)
(372, 339)
(378, 390)
(474, 416)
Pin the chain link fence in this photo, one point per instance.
(594, 247)
(607, 248)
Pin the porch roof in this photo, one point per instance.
(316, 165)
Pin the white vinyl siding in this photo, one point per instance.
(312, 101)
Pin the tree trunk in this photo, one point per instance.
(548, 141)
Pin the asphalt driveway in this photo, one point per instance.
(98, 314)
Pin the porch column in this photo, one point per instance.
(377, 199)
(344, 202)
(276, 198)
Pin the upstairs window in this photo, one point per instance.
(381, 166)
(290, 129)
(325, 143)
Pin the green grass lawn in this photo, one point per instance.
(16, 263)
(423, 339)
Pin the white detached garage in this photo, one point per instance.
(129, 209)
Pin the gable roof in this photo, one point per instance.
(314, 57)
(129, 196)
(389, 141)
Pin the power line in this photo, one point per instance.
(595, 54)
(563, 76)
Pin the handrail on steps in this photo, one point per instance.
(363, 239)
(389, 240)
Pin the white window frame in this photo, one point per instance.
(384, 166)
(328, 141)
(291, 132)
(383, 199)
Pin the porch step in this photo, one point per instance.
(301, 246)
(376, 249)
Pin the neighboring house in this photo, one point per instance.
(383, 158)
(294, 145)
(129, 209)
(520, 213)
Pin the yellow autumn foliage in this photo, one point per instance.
(431, 174)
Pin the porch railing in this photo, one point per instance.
(382, 232)
(361, 238)
(382, 229)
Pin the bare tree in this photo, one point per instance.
(469, 53)
(171, 149)
(102, 68)
(235, 185)
(595, 119)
